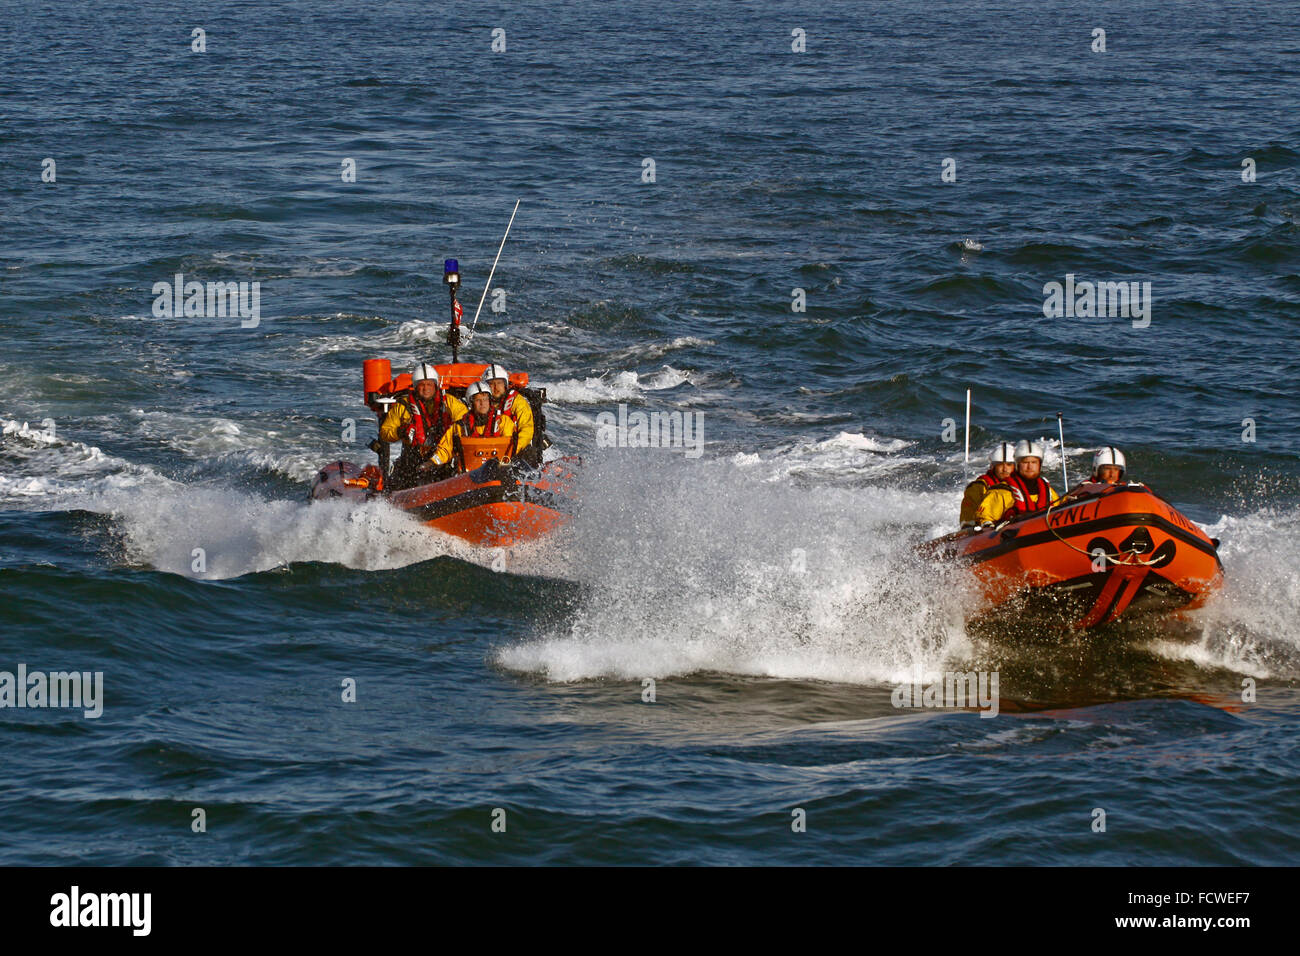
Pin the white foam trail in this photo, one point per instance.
(615, 387)
(42, 469)
(649, 351)
(291, 451)
(686, 564)
(241, 533)
(37, 436)
(1252, 625)
(423, 333)
(858, 442)
(162, 521)
(700, 566)
(690, 566)
(847, 454)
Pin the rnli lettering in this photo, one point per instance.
(1179, 520)
(1084, 512)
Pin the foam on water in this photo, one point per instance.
(705, 566)
(846, 454)
(686, 565)
(623, 386)
(41, 470)
(242, 533)
(1252, 625)
(24, 430)
(162, 520)
(650, 351)
(695, 566)
(284, 449)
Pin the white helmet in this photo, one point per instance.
(473, 389)
(1004, 452)
(495, 371)
(1110, 455)
(425, 371)
(1028, 449)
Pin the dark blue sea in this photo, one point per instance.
(816, 252)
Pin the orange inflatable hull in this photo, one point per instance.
(490, 506)
(1118, 550)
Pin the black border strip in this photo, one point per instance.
(1095, 524)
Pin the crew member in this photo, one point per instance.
(1026, 492)
(513, 405)
(1108, 466)
(419, 419)
(483, 421)
(1001, 465)
(1107, 469)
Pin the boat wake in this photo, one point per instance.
(160, 521)
(755, 564)
(705, 566)
(1251, 626)
(713, 567)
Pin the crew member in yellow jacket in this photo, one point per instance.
(1027, 490)
(419, 419)
(509, 402)
(1001, 464)
(483, 421)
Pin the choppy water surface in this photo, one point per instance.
(768, 587)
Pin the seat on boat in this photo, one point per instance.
(477, 451)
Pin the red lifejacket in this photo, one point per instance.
(1021, 492)
(991, 481)
(507, 407)
(425, 429)
(507, 410)
(470, 428)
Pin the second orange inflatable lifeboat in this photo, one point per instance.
(1103, 552)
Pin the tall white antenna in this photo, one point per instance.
(1065, 479)
(968, 426)
(488, 284)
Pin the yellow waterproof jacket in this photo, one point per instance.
(974, 497)
(398, 418)
(522, 413)
(1000, 500)
(465, 426)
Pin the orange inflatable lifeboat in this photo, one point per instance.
(1102, 552)
(489, 501)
